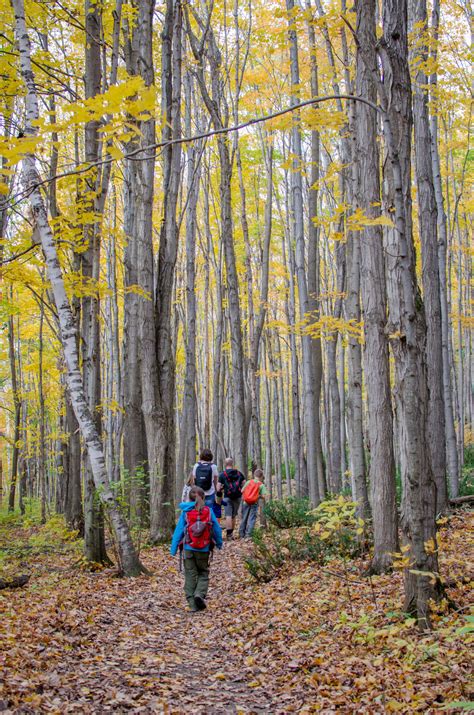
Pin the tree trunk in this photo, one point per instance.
(160, 417)
(17, 418)
(309, 392)
(407, 324)
(42, 435)
(313, 262)
(129, 561)
(427, 218)
(135, 462)
(72, 472)
(94, 538)
(187, 442)
(451, 446)
(374, 302)
(355, 407)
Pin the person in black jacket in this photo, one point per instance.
(232, 482)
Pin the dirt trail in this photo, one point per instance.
(316, 639)
(130, 645)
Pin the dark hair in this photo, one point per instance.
(197, 494)
(258, 474)
(206, 455)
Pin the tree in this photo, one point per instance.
(374, 301)
(129, 561)
(407, 323)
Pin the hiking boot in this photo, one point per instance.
(200, 603)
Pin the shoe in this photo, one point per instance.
(200, 603)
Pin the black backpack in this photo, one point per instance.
(233, 484)
(203, 476)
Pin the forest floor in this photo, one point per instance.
(312, 640)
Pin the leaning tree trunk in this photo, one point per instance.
(129, 561)
(427, 218)
(407, 324)
(374, 301)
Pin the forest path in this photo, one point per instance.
(316, 639)
(95, 644)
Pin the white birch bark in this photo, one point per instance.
(129, 560)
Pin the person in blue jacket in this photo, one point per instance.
(196, 532)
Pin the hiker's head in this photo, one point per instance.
(206, 455)
(229, 463)
(196, 494)
(258, 474)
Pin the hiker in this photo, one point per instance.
(232, 482)
(253, 490)
(206, 476)
(218, 502)
(196, 533)
(187, 487)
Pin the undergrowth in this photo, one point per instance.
(331, 530)
(23, 539)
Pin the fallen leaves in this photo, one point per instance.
(78, 642)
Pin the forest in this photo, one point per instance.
(242, 227)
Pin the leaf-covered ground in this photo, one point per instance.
(309, 641)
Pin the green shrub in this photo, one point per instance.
(333, 531)
(466, 487)
(289, 513)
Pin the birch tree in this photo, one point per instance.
(129, 561)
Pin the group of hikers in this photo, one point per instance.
(198, 529)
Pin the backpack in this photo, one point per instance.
(251, 492)
(203, 476)
(198, 529)
(233, 487)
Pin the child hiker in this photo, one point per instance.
(187, 488)
(196, 532)
(252, 491)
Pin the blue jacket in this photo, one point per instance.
(181, 525)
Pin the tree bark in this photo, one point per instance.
(451, 445)
(297, 216)
(374, 301)
(160, 417)
(407, 324)
(94, 537)
(135, 460)
(129, 561)
(187, 442)
(17, 418)
(427, 219)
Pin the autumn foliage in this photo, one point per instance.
(315, 639)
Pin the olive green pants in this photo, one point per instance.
(196, 575)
